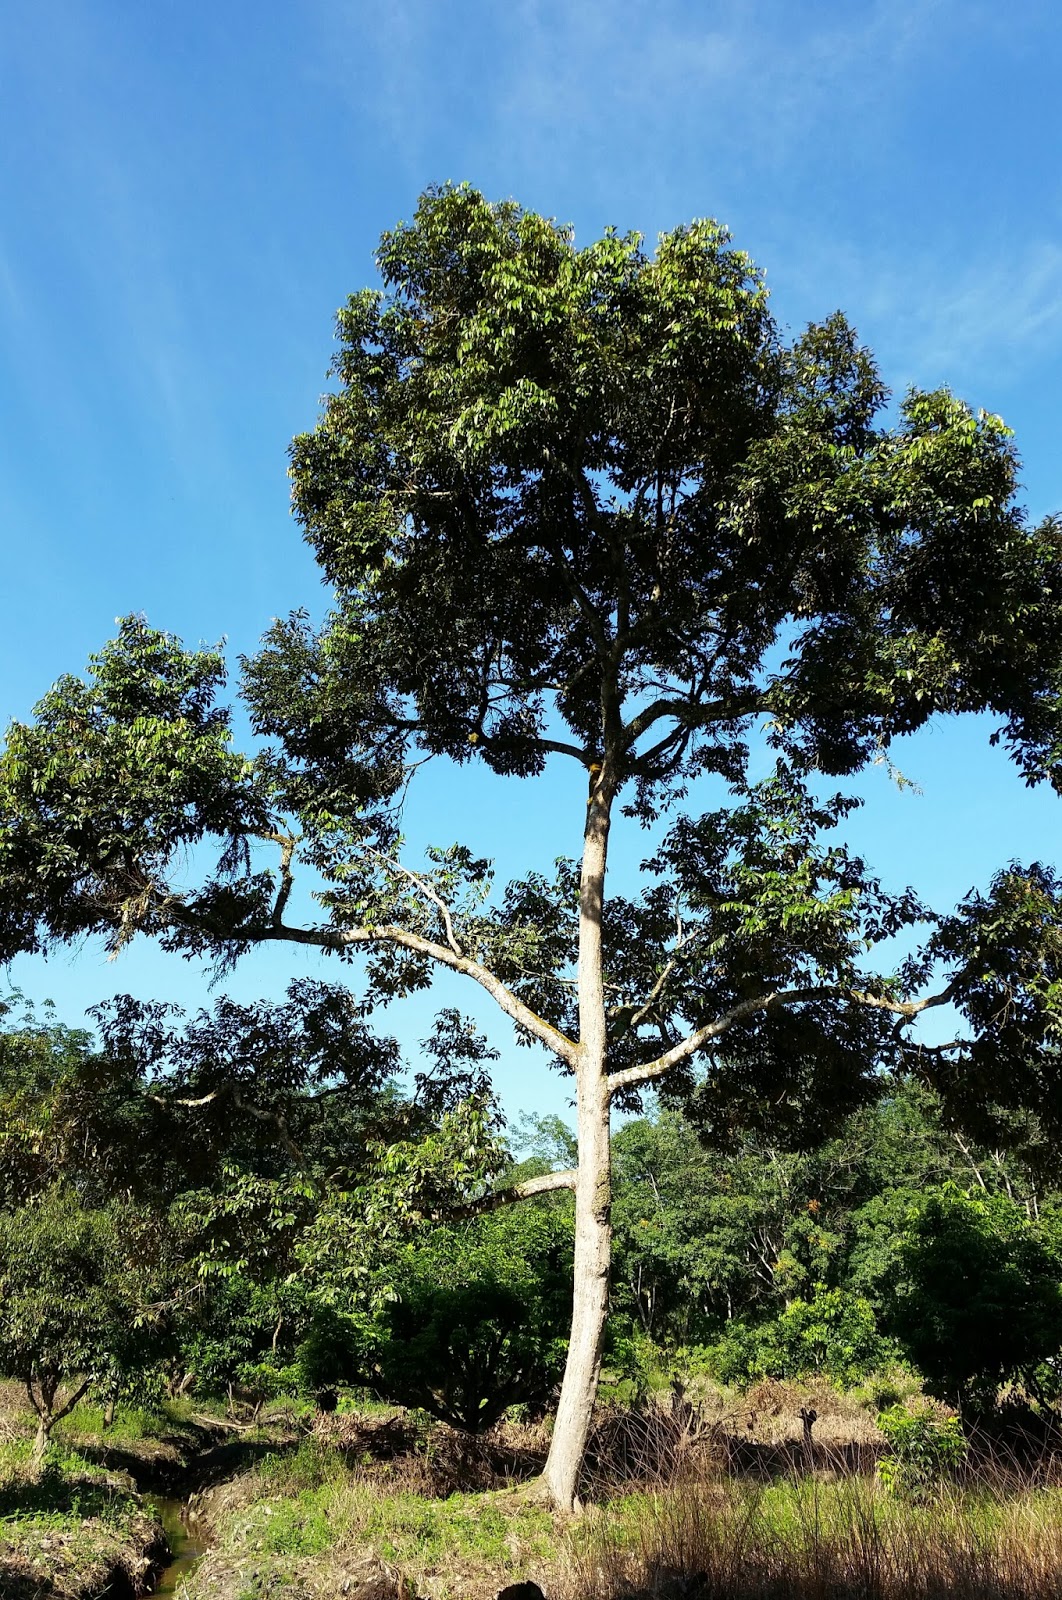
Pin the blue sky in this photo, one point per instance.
(189, 191)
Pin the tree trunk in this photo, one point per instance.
(593, 1190)
(44, 1405)
(593, 1247)
(47, 1415)
(40, 1443)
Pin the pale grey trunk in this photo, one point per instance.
(593, 1192)
(593, 1248)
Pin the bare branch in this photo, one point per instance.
(906, 1009)
(971, 1163)
(343, 939)
(548, 1183)
(172, 1100)
(423, 887)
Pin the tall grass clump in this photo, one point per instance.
(820, 1536)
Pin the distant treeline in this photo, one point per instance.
(249, 1203)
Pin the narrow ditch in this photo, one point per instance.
(186, 1538)
(171, 1490)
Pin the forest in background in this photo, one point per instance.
(161, 1236)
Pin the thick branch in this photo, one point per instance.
(241, 1104)
(906, 1009)
(899, 1008)
(57, 1416)
(688, 714)
(177, 1100)
(282, 1129)
(340, 939)
(287, 843)
(556, 747)
(548, 1183)
(645, 1010)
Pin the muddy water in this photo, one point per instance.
(186, 1539)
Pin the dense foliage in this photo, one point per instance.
(895, 1241)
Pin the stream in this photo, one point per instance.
(185, 1536)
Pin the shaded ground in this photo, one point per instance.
(82, 1528)
(74, 1535)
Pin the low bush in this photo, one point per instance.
(835, 1334)
(926, 1447)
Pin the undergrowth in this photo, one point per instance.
(811, 1540)
(715, 1530)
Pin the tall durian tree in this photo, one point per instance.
(586, 504)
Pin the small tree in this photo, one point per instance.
(474, 1320)
(75, 1300)
(586, 505)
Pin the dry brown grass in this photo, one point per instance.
(806, 1540)
(760, 1434)
(437, 1460)
(689, 1503)
(679, 1503)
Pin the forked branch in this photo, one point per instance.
(645, 1073)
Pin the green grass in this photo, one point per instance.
(312, 1507)
(131, 1423)
(68, 1529)
(298, 1519)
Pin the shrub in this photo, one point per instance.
(977, 1300)
(925, 1448)
(477, 1318)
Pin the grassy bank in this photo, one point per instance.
(323, 1520)
(82, 1526)
(72, 1531)
(314, 1525)
(722, 1502)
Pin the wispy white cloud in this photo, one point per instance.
(787, 118)
(1010, 306)
(993, 308)
(585, 91)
